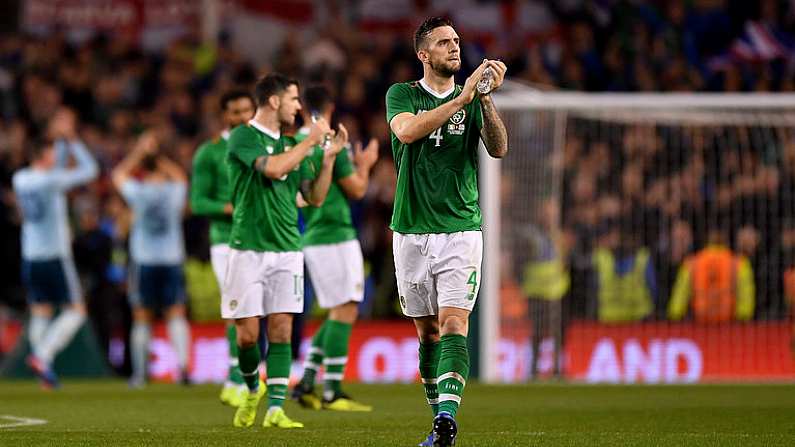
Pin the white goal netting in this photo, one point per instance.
(640, 238)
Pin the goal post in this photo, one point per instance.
(638, 185)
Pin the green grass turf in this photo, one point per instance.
(107, 413)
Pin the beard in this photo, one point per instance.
(286, 119)
(445, 68)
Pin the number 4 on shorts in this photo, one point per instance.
(472, 281)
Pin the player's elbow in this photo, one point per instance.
(117, 179)
(273, 171)
(315, 202)
(358, 194)
(405, 135)
(405, 138)
(92, 172)
(499, 152)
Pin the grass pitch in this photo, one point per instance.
(108, 413)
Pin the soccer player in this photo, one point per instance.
(435, 127)
(210, 196)
(48, 270)
(334, 260)
(157, 251)
(265, 268)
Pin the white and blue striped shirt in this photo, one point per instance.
(42, 197)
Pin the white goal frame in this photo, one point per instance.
(514, 96)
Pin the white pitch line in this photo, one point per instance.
(17, 421)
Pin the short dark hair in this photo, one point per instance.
(234, 95)
(149, 162)
(317, 97)
(427, 26)
(271, 84)
(39, 146)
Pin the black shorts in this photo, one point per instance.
(51, 281)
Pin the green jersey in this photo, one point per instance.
(265, 216)
(209, 191)
(330, 223)
(437, 176)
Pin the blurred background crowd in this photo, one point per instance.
(122, 81)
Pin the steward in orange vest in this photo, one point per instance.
(718, 284)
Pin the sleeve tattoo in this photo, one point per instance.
(493, 133)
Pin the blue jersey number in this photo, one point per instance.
(155, 220)
(32, 205)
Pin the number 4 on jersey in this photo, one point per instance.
(436, 135)
(473, 282)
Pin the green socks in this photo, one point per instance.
(335, 349)
(429, 363)
(315, 357)
(248, 359)
(453, 372)
(233, 375)
(279, 359)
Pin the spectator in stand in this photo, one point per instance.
(545, 281)
(715, 282)
(624, 278)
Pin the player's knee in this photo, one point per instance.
(454, 324)
(175, 311)
(346, 313)
(427, 329)
(246, 339)
(432, 337)
(79, 308)
(280, 334)
(141, 315)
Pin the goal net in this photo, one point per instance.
(640, 238)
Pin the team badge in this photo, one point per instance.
(456, 125)
(458, 117)
(233, 304)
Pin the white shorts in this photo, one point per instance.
(257, 284)
(219, 255)
(337, 272)
(437, 270)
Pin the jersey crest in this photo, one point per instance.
(456, 125)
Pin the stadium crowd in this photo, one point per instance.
(118, 90)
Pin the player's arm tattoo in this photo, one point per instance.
(493, 133)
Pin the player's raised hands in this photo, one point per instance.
(338, 142)
(498, 68)
(366, 156)
(471, 85)
(63, 125)
(318, 131)
(147, 143)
